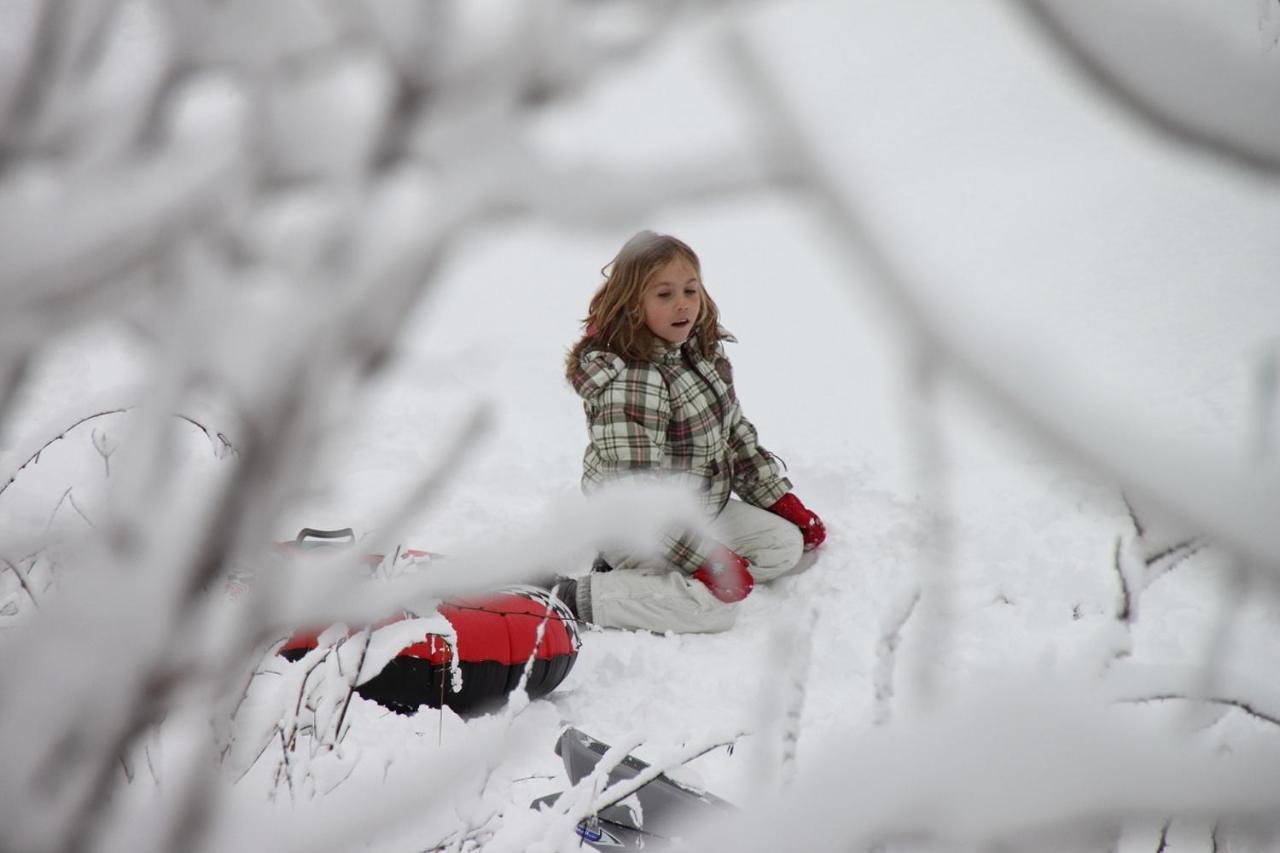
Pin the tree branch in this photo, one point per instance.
(1185, 485)
(1206, 138)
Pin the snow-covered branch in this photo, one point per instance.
(1171, 77)
(1010, 761)
(258, 197)
(1216, 497)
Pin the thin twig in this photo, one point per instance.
(622, 789)
(223, 446)
(1193, 544)
(351, 685)
(1125, 611)
(102, 444)
(286, 766)
(71, 499)
(266, 744)
(1238, 704)
(303, 688)
(1181, 558)
(248, 683)
(57, 506)
(456, 840)
(522, 687)
(535, 777)
(1133, 516)
(886, 661)
(36, 456)
(23, 581)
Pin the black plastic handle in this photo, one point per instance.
(315, 533)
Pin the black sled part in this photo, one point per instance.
(665, 804)
(600, 833)
(408, 683)
(310, 538)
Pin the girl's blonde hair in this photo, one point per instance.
(615, 318)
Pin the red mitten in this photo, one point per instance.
(726, 575)
(811, 527)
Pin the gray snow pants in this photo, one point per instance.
(653, 595)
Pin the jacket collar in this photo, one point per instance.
(668, 353)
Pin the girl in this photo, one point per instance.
(658, 393)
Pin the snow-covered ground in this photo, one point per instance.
(1032, 216)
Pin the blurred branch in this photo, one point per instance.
(1235, 508)
(432, 484)
(380, 134)
(181, 187)
(1267, 397)
(1216, 139)
(13, 372)
(65, 34)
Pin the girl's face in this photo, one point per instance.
(672, 301)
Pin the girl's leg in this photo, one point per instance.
(654, 596)
(770, 543)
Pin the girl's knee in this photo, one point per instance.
(718, 618)
(784, 554)
(794, 546)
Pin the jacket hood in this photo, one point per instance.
(596, 369)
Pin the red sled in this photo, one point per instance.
(497, 635)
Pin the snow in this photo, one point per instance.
(950, 607)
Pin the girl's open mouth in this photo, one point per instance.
(680, 323)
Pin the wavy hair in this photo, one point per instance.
(615, 318)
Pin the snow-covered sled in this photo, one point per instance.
(645, 821)
(497, 635)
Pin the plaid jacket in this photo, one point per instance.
(676, 414)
